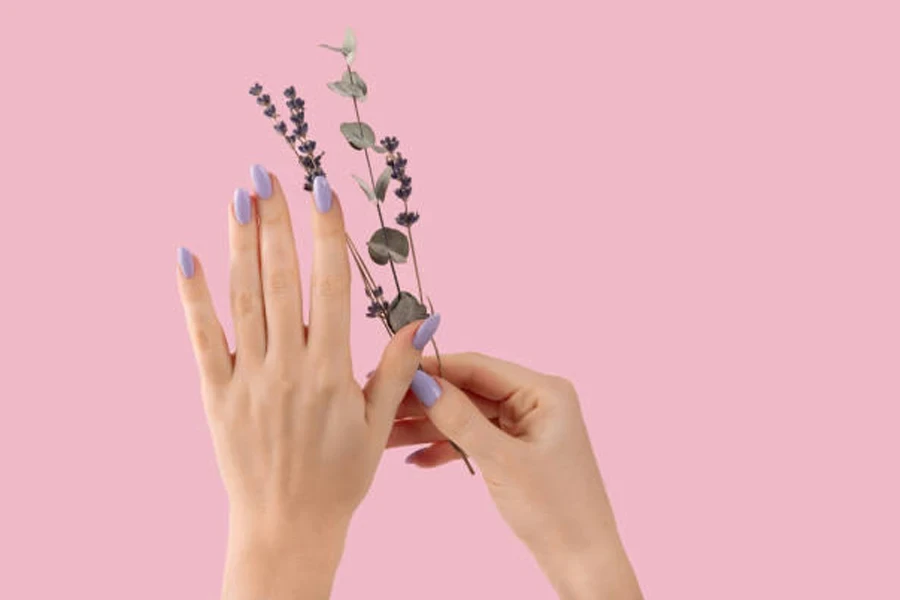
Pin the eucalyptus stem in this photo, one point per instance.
(372, 180)
(412, 248)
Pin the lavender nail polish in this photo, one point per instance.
(262, 183)
(186, 262)
(242, 206)
(322, 194)
(426, 331)
(425, 388)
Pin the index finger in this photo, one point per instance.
(489, 377)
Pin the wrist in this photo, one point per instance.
(601, 570)
(276, 558)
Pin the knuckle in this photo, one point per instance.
(325, 384)
(331, 285)
(562, 386)
(280, 281)
(245, 303)
(460, 425)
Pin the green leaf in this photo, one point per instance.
(381, 185)
(379, 149)
(405, 309)
(339, 88)
(349, 47)
(365, 187)
(388, 244)
(353, 80)
(360, 135)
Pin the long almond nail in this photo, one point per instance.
(426, 331)
(262, 183)
(242, 206)
(186, 262)
(322, 194)
(425, 388)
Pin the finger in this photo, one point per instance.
(410, 432)
(388, 385)
(246, 287)
(280, 272)
(329, 310)
(411, 407)
(435, 455)
(457, 418)
(207, 337)
(487, 376)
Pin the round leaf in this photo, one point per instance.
(360, 135)
(388, 244)
(405, 309)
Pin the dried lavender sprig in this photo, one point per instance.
(312, 165)
(396, 161)
(305, 150)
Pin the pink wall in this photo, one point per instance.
(690, 209)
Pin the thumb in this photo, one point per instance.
(457, 417)
(389, 382)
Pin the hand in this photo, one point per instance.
(296, 439)
(526, 433)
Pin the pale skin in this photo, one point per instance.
(298, 439)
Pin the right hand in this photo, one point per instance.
(526, 433)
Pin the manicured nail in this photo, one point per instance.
(426, 389)
(426, 331)
(262, 183)
(186, 262)
(322, 194)
(242, 206)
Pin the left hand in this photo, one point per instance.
(297, 440)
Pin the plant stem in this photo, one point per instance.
(412, 247)
(372, 180)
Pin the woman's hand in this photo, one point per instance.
(526, 432)
(296, 438)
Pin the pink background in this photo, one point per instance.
(690, 209)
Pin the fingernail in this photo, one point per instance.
(262, 183)
(426, 331)
(186, 262)
(425, 388)
(242, 206)
(322, 194)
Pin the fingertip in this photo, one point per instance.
(322, 194)
(185, 262)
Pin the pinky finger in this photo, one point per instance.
(207, 337)
(435, 455)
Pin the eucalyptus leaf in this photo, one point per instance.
(365, 187)
(349, 46)
(381, 185)
(387, 245)
(354, 81)
(342, 88)
(360, 135)
(379, 149)
(405, 309)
